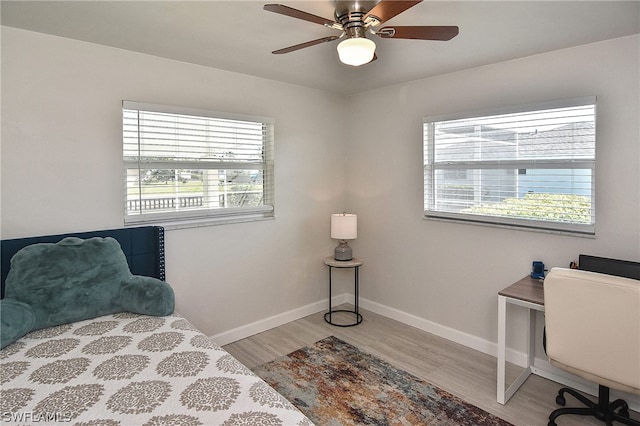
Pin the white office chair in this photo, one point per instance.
(593, 331)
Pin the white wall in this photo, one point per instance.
(62, 170)
(449, 273)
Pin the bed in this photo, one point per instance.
(128, 368)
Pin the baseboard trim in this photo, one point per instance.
(473, 342)
(259, 326)
(465, 339)
(541, 366)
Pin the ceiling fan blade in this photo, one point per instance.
(295, 13)
(303, 45)
(443, 33)
(386, 10)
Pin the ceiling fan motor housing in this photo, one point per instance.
(351, 14)
(355, 30)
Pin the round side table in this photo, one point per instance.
(354, 263)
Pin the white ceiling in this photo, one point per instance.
(239, 35)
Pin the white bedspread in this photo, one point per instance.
(128, 369)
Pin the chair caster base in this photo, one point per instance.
(603, 410)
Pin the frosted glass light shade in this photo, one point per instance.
(356, 51)
(344, 226)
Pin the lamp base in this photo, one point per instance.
(343, 251)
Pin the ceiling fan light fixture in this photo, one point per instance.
(356, 51)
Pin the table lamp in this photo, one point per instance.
(344, 227)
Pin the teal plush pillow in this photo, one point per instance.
(16, 320)
(147, 296)
(77, 279)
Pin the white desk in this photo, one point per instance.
(528, 293)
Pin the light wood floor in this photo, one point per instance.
(457, 369)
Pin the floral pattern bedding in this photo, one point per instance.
(129, 369)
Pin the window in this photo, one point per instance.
(531, 167)
(192, 166)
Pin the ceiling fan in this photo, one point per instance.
(355, 18)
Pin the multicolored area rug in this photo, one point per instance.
(334, 383)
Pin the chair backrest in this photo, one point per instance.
(593, 326)
(605, 265)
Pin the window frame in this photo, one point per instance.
(430, 167)
(206, 216)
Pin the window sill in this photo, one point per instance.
(260, 214)
(185, 224)
(568, 233)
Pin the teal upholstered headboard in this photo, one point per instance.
(142, 246)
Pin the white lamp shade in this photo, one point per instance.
(356, 51)
(344, 226)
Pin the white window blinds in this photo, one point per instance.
(185, 164)
(532, 168)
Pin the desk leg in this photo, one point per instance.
(504, 393)
(531, 339)
(502, 347)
